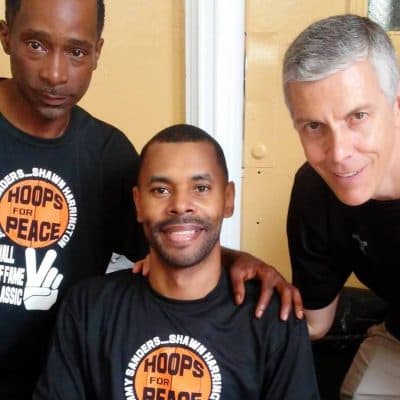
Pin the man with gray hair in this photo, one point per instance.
(341, 85)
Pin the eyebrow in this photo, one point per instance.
(362, 107)
(45, 35)
(195, 178)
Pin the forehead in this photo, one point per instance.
(71, 18)
(180, 161)
(350, 88)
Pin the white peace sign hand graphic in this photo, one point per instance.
(42, 284)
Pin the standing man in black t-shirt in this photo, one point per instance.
(60, 169)
(177, 333)
(341, 83)
(65, 182)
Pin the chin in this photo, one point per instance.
(353, 198)
(53, 113)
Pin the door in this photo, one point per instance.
(272, 151)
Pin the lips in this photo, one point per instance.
(51, 99)
(180, 234)
(346, 174)
(349, 179)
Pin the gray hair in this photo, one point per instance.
(333, 44)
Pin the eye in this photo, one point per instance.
(358, 118)
(77, 53)
(313, 126)
(202, 188)
(160, 191)
(360, 115)
(35, 45)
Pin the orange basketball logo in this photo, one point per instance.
(33, 213)
(170, 372)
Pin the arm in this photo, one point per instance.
(120, 163)
(319, 321)
(317, 246)
(62, 377)
(289, 365)
(244, 266)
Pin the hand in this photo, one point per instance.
(142, 266)
(246, 267)
(42, 284)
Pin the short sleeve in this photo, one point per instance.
(318, 260)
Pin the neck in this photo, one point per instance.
(17, 110)
(191, 283)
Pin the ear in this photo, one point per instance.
(136, 199)
(5, 36)
(396, 107)
(99, 46)
(229, 199)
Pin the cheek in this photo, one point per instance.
(313, 151)
(22, 67)
(80, 78)
(152, 212)
(375, 137)
(214, 209)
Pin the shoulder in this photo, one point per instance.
(100, 134)
(310, 195)
(307, 183)
(252, 296)
(270, 324)
(98, 291)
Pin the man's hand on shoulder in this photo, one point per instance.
(142, 266)
(244, 266)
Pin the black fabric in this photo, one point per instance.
(69, 201)
(328, 240)
(114, 333)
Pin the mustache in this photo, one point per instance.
(181, 221)
(53, 91)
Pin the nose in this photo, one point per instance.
(180, 204)
(54, 70)
(340, 144)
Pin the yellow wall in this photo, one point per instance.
(139, 83)
(272, 150)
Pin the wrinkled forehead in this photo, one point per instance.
(62, 17)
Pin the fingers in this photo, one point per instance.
(142, 266)
(30, 261)
(290, 296)
(146, 266)
(238, 287)
(267, 276)
(137, 267)
(263, 301)
(286, 302)
(50, 277)
(57, 281)
(298, 303)
(36, 277)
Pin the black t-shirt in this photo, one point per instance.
(65, 205)
(117, 339)
(328, 240)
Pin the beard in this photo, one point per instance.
(180, 259)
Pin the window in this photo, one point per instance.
(386, 13)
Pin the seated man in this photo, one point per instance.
(177, 334)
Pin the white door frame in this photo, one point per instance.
(214, 45)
